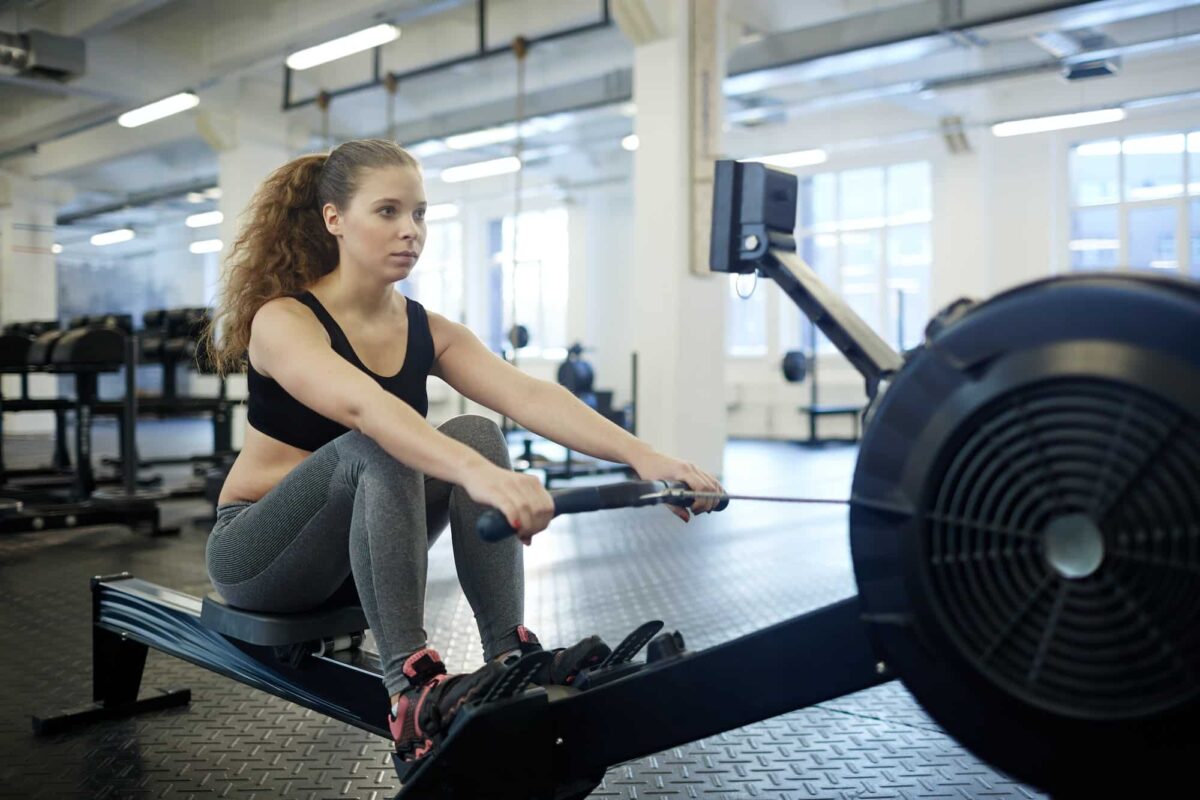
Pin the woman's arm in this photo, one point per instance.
(549, 410)
(545, 408)
(288, 344)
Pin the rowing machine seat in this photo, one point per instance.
(272, 630)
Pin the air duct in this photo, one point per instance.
(42, 54)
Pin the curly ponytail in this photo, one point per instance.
(284, 246)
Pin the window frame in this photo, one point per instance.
(1124, 206)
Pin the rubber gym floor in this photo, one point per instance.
(719, 577)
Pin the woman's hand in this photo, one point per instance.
(521, 498)
(658, 467)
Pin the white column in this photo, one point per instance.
(961, 213)
(678, 314)
(28, 277)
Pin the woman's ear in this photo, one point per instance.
(333, 219)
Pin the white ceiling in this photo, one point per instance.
(231, 53)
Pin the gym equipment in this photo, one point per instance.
(575, 375)
(815, 409)
(172, 338)
(795, 366)
(15, 344)
(1025, 506)
(121, 322)
(85, 353)
(1023, 527)
(493, 527)
(312, 658)
(518, 337)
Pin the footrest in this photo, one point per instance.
(517, 676)
(632, 644)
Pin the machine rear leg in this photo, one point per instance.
(117, 666)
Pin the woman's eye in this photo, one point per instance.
(419, 214)
(387, 211)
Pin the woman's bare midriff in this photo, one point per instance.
(262, 463)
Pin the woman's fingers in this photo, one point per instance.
(528, 507)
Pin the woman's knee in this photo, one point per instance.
(481, 435)
(358, 452)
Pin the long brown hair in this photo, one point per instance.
(284, 245)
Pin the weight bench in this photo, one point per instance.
(816, 411)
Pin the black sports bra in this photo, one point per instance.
(271, 410)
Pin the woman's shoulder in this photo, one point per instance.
(284, 316)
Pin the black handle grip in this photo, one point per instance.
(493, 527)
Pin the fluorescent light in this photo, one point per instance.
(213, 193)
(196, 197)
(506, 133)
(1165, 264)
(206, 246)
(1088, 245)
(56, 248)
(344, 46)
(467, 141)
(156, 111)
(799, 158)
(631, 142)
(441, 211)
(112, 237)
(481, 169)
(1018, 127)
(204, 220)
(628, 109)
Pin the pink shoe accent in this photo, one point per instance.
(422, 664)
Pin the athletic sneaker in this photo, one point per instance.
(427, 707)
(568, 662)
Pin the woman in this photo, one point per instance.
(341, 485)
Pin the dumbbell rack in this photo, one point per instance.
(85, 505)
(170, 338)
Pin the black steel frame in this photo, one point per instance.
(130, 615)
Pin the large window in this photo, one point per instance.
(746, 330)
(437, 281)
(528, 282)
(1135, 203)
(866, 232)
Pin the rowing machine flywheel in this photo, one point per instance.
(1025, 526)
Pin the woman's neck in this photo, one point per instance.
(362, 299)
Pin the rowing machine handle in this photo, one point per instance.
(493, 527)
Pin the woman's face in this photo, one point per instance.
(383, 229)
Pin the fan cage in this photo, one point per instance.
(1120, 642)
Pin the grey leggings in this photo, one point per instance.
(350, 517)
